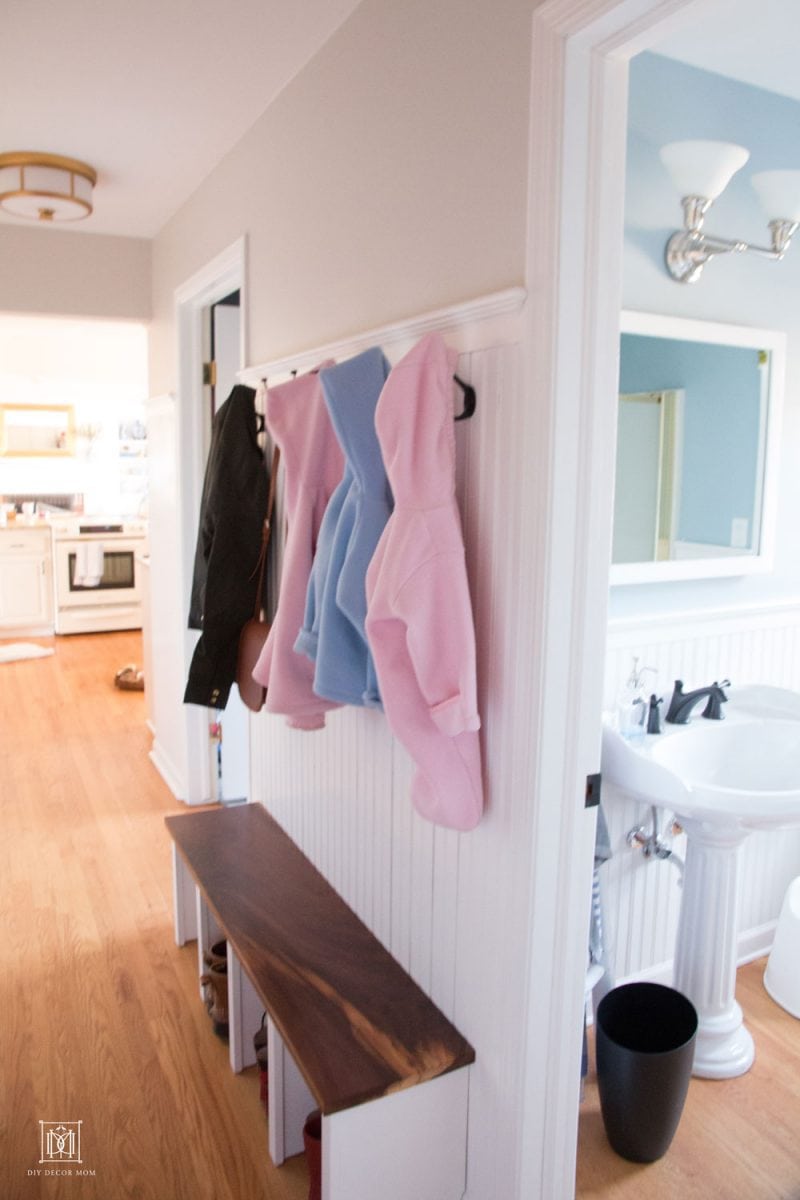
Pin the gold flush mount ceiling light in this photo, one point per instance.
(45, 187)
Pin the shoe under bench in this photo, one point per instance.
(349, 1031)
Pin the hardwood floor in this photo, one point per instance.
(101, 1018)
(738, 1139)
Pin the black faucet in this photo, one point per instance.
(682, 703)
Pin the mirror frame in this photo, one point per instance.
(691, 330)
(63, 423)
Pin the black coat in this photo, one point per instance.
(232, 511)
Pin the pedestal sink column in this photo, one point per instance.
(705, 955)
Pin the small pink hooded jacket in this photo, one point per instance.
(313, 463)
(419, 616)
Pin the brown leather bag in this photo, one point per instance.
(255, 630)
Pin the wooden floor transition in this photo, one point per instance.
(738, 1139)
(100, 1021)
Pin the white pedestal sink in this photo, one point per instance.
(722, 779)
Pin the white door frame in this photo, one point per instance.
(224, 274)
(579, 77)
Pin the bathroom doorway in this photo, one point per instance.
(584, 133)
(578, 129)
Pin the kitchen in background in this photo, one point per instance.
(73, 474)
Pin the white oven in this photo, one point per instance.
(96, 578)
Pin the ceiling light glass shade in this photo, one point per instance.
(45, 187)
(699, 168)
(779, 194)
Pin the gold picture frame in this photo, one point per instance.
(37, 430)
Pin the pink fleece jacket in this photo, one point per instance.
(313, 463)
(419, 616)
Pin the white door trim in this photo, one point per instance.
(224, 274)
(576, 210)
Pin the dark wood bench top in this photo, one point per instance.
(356, 1024)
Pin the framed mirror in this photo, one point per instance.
(37, 430)
(697, 449)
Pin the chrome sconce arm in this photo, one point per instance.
(689, 249)
(702, 171)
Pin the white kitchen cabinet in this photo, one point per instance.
(26, 581)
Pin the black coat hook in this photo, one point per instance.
(470, 399)
(260, 422)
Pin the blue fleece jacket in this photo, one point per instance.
(333, 634)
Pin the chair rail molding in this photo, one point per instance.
(491, 320)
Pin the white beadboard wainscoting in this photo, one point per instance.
(641, 897)
(445, 904)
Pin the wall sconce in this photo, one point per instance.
(701, 171)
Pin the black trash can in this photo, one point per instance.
(644, 1048)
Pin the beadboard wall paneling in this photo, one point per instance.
(641, 897)
(440, 901)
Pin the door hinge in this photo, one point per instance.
(210, 374)
(593, 790)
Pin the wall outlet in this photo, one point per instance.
(740, 527)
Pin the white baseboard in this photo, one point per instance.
(167, 770)
(755, 943)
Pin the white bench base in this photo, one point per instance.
(409, 1145)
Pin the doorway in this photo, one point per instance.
(211, 311)
(578, 135)
(229, 741)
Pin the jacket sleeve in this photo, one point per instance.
(308, 637)
(434, 604)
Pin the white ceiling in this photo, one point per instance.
(152, 93)
(754, 41)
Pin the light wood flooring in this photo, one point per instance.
(738, 1139)
(100, 1016)
(100, 1019)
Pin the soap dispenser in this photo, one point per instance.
(632, 703)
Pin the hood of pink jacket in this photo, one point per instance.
(414, 422)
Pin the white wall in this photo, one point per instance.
(74, 274)
(448, 905)
(389, 178)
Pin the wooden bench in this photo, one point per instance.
(349, 1031)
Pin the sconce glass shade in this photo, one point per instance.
(700, 168)
(45, 187)
(779, 194)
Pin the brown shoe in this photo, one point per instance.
(130, 678)
(215, 983)
(216, 955)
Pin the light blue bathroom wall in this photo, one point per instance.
(669, 101)
(722, 401)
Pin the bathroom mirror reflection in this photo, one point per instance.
(697, 440)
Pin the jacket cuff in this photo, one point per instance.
(453, 716)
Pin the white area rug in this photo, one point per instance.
(15, 650)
